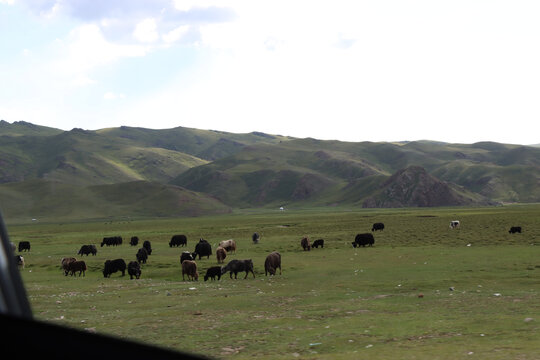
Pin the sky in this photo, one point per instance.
(457, 71)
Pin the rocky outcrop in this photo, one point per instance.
(414, 187)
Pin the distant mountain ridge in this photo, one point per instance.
(221, 171)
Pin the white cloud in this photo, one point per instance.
(113, 96)
(85, 49)
(186, 5)
(146, 31)
(176, 34)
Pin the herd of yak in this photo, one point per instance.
(71, 265)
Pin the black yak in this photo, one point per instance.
(146, 244)
(142, 255)
(178, 240)
(134, 269)
(212, 273)
(377, 226)
(203, 248)
(363, 240)
(24, 245)
(87, 250)
(317, 243)
(236, 266)
(112, 266)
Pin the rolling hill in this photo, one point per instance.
(47, 200)
(103, 172)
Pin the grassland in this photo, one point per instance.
(480, 285)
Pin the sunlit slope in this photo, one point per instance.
(44, 200)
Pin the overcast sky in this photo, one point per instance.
(381, 70)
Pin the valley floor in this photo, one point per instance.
(423, 291)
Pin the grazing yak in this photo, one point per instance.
(229, 245)
(142, 255)
(65, 264)
(189, 268)
(236, 266)
(377, 226)
(203, 248)
(134, 269)
(363, 240)
(111, 241)
(146, 244)
(221, 254)
(87, 250)
(305, 244)
(24, 245)
(112, 266)
(515, 229)
(255, 238)
(178, 240)
(213, 272)
(317, 243)
(75, 266)
(272, 263)
(134, 241)
(186, 255)
(454, 224)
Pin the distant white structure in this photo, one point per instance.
(281, 208)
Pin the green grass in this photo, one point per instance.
(331, 303)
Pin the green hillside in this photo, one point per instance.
(110, 156)
(249, 170)
(45, 200)
(204, 144)
(315, 172)
(23, 128)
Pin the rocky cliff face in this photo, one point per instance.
(414, 187)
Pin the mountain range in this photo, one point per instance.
(138, 172)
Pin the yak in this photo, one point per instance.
(236, 266)
(134, 269)
(142, 255)
(203, 248)
(305, 244)
(75, 266)
(146, 244)
(24, 245)
(317, 243)
(212, 272)
(377, 226)
(189, 268)
(363, 240)
(272, 263)
(87, 250)
(178, 240)
(112, 266)
(186, 255)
